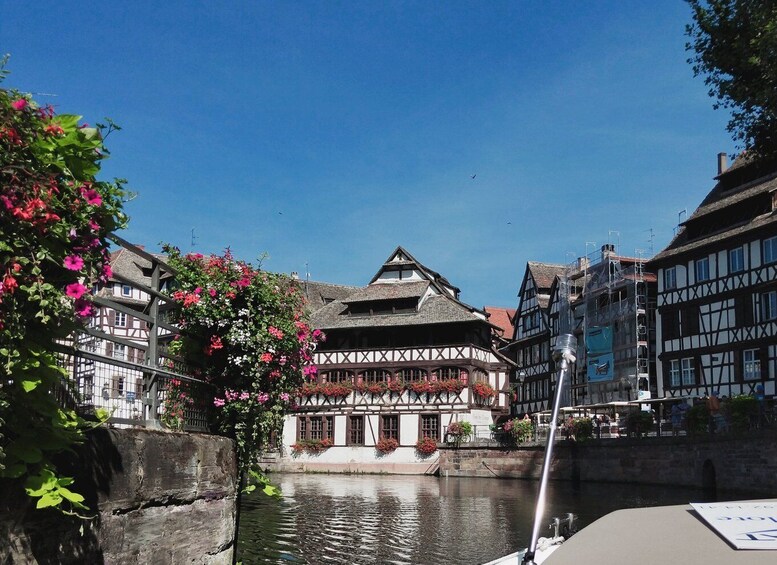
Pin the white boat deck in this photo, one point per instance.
(664, 534)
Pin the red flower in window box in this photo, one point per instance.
(483, 390)
(397, 385)
(447, 385)
(420, 387)
(372, 388)
(386, 445)
(426, 446)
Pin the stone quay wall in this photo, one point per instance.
(746, 464)
(159, 497)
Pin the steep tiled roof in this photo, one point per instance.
(726, 194)
(131, 266)
(388, 291)
(502, 318)
(319, 294)
(437, 309)
(544, 273)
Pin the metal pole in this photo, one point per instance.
(564, 354)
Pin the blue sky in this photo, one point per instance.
(327, 133)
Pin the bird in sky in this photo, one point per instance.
(473, 176)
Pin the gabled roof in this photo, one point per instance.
(438, 308)
(319, 294)
(544, 274)
(387, 291)
(743, 182)
(131, 266)
(502, 318)
(400, 257)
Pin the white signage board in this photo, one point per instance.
(745, 525)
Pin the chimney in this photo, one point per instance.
(295, 275)
(722, 163)
(608, 249)
(582, 263)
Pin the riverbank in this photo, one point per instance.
(729, 462)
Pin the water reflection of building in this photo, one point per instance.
(411, 358)
(717, 299)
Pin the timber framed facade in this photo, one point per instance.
(406, 358)
(717, 299)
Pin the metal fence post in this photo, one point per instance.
(151, 382)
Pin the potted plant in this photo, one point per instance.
(386, 445)
(458, 432)
(426, 446)
(483, 390)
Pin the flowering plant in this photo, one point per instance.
(426, 446)
(520, 430)
(372, 388)
(177, 401)
(396, 385)
(55, 217)
(460, 430)
(483, 390)
(330, 390)
(386, 445)
(420, 387)
(311, 446)
(253, 342)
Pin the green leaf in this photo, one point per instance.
(70, 495)
(65, 481)
(49, 499)
(38, 485)
(14, 471)
(29, 384)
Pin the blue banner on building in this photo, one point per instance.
(598, 339)
(600, 367)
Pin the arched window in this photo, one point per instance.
(411, 375)
(445, 373)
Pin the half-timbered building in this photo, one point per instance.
(717, 298)
(403, 359)
(533, 375)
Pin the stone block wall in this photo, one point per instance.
(159, 497)
(746, 464)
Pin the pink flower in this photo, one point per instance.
(92, 197)
(19, 104)
(285, 396)
(275, 332)
(84, 308)
(94, 226)
(266, 357)
(198, 290)
(218, 402)
(262, 397)
(212, 292)
(107, 271)
(73, 263)
(244, 396)
(75, 290)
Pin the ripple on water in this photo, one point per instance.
(404, 520)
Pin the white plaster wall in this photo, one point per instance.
(408, 429)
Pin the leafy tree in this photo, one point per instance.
(734, 45)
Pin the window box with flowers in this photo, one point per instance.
(376, 389)
(386, 445)
(311, 446)
(396, 386)
(328, 390)
(426, 446)
(483, 390)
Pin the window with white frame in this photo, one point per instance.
(119, 351)
(702, 267)
(736, 260)
(688, 370)
(752, 364)
(674, 372)
(770, 250)
(670, 278)
(119, 319)
(126, 290)
(769, 306)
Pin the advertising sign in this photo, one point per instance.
(745, 525)
(600, 368)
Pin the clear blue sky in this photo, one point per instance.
(327, 133)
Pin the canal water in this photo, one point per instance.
(397, 519)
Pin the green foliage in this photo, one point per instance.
(582, 428)
(520, 430)
(54, 221)
(639, 422)
(734, 44)
(258, 348)
(740, 410)
(698, 417)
